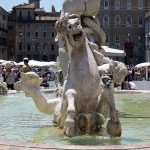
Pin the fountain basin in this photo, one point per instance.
(22, 122)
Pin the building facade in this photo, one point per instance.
(34, 32)
(124, 24)
(3, 33)
(147, 36)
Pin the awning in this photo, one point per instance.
(33, 63)
(144, 64)
(107, 51)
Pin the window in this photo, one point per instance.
(117, 39)
(10, 27)
(36, 25)
(37, 46)
(3, 51)
(20, 14)
(140, 39)
(20, 25)
(106, 4)
(128, 37)
(52, 25)
(128, 20)
(44, 25)
(36, 34)
(140, 4)
(44, 46)
(28, 15)
(107, 38)
(53, 34)
(28, 47)
(106, 21)
(140, 20)
(52, 57)
(44, 34)
(117, 4)
(52, 47)
(129, 4)
(28, 34)
(4, 17)
(20, 34)
(20, 47)
(117, 20)
(28, 25)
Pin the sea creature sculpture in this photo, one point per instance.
(87, 10)
(87, 96)
(3, 88)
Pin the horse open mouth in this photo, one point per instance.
(78, 36)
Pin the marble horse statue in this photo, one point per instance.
(87, 10)
(3, 88)
(87, 95)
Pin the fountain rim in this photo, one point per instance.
(10, 144)
(116, 91)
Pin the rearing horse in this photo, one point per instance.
(83, 87)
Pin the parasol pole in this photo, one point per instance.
(146, 73)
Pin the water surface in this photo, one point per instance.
(20, 120)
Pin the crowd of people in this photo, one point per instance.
(135, 74)
(11, 73)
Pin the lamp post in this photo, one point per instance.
(147, 49)
(20, 48)
(117, 43)
(33, 45)
(44, 57)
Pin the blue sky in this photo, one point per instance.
(8, 4)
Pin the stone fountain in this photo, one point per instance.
(3, 88)
(86, 97)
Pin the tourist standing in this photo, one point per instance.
(26, 67)
(9, 72)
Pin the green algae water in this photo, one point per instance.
(20, 120)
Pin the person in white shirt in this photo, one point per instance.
(132, 86)
(9, 75)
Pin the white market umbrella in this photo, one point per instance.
(1, 61)
(38, 63)
(144, 64)
(5, 62)
(31, 63)
(113, 52)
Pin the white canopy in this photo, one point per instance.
(1, 61)
(107, 51)
(5, 62)
(38, 63)
(144, 64)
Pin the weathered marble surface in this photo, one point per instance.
(86, 98)
(3, 88)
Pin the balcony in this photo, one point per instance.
(25, 18)
(3, 30)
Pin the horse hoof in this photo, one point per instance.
(114, 128)
(70, 128)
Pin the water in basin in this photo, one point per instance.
(20, 120)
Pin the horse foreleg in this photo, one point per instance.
(70, 127)
(113, 125)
